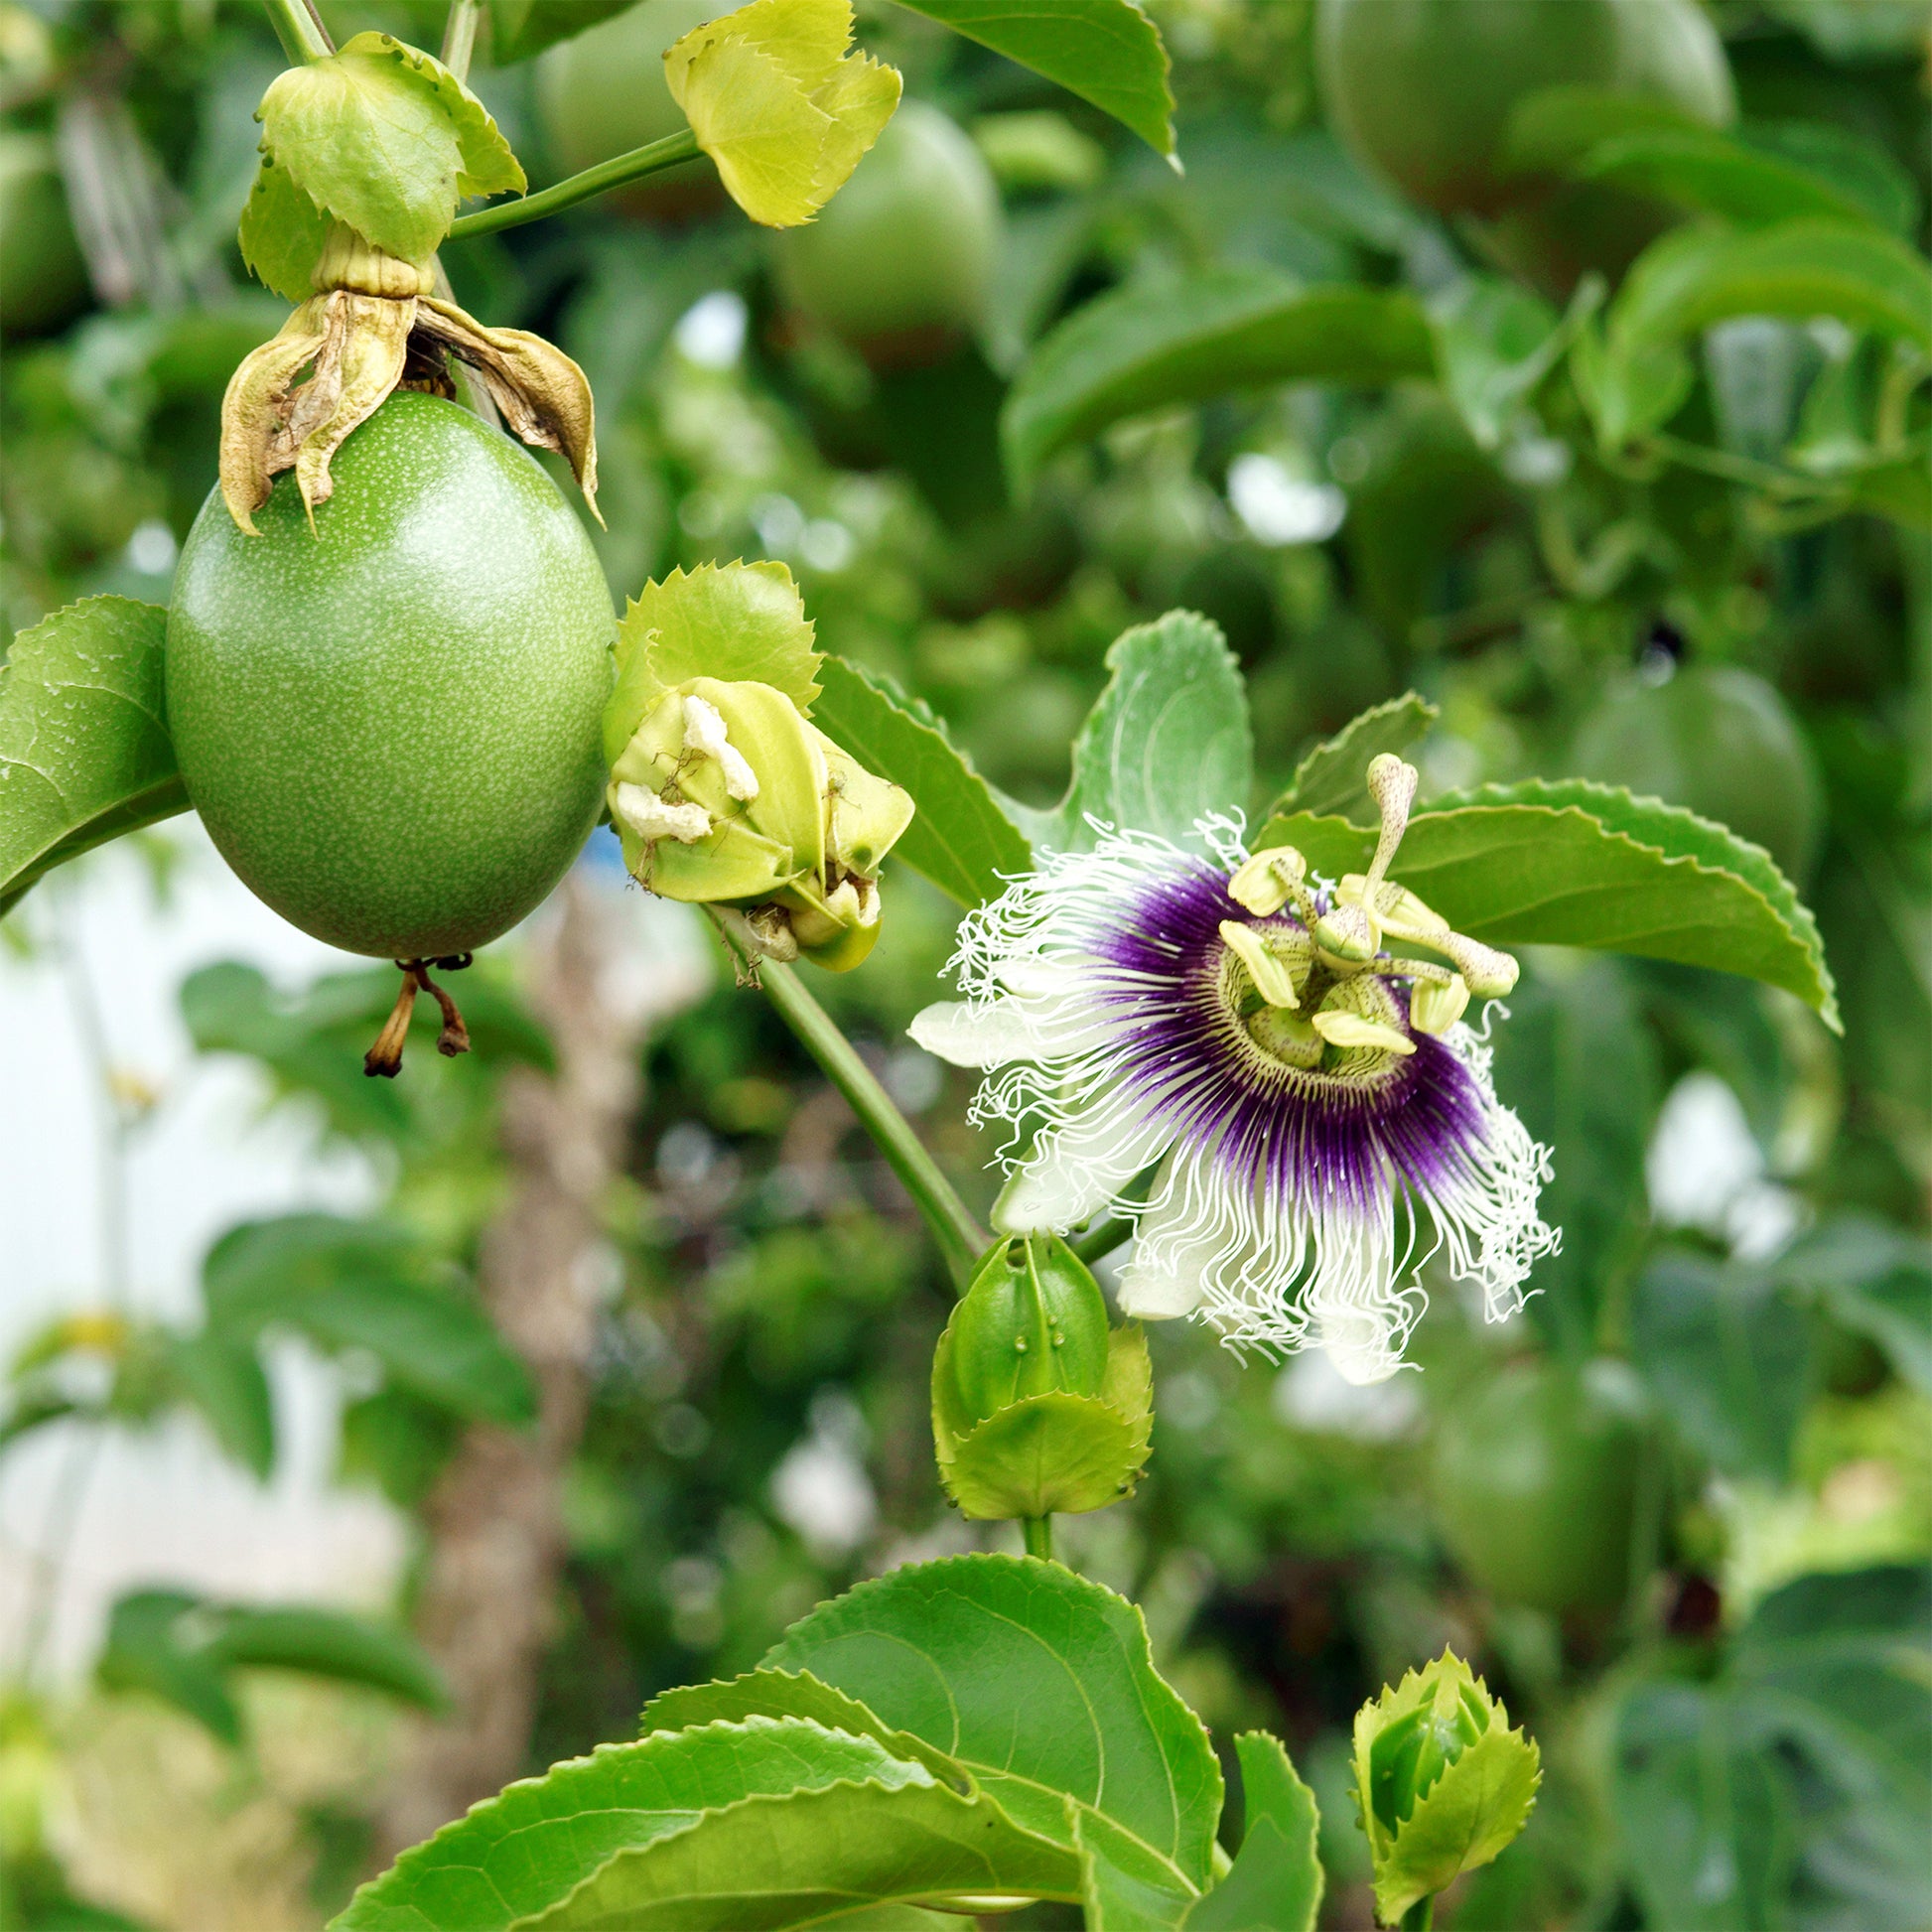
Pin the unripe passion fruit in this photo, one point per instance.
(603, 92)
(42, 280)
(391, 724)
(1423, 91)
(1720, 741)
(1536, 1480)
(900, 263)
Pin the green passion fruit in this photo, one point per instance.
(42, 280)
(900, 263)
(1720, 741)
(1423, 90)
(1535, 1482)
(603, 92)
(391, 723)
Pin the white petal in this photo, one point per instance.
(991, 1033)
(1190, 1234)
(1078, 1167)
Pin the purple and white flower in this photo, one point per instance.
(1319, 1118)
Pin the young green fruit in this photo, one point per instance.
(1718, 740)
(42, 280)
(1535, 1481)
(390, 723)
(601, 93)
(900, 263)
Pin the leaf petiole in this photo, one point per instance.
(459, 35)
(640, 162)
(960, 1238)
(1039, 1534)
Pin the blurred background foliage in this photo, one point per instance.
(1680, 1512)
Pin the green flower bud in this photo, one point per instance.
(1441, 1783)
(1037, 1405)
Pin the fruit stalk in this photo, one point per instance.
(958, 1237)
(650, 159)
(302, 35)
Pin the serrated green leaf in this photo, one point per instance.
(792, 1693)
(386, 139)
(1711, 172)
(519, 29)
(282, 232)
(1041, 1685)
(1333, 779)
(961, 839)
(1167, 741)
(1108, 52)
(779, 1862)
(1156, 344)
(517, 1854)
(84, 752)
(1276, 1882)
(730, 622)
(1041, 1455)
(1696, 276)
(334, 1644)
(364, 1285)
(1569, 863)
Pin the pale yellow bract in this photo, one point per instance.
(781, 104)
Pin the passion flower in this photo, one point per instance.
(1314, 1104)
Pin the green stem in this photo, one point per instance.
(301, 34)
(1039, 1532)
(1421, 1916)
(634, 166)
(459, 35)
(1103, 1240)
(960, 1239)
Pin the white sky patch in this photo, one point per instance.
(710, 333)
(820, 1487)
(1280, 508)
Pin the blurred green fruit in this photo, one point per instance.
(391, 724)
(1718, 740)
(601, 93)
(900, 263)
(1535, 1483)
(43, 279)
(1422, 90)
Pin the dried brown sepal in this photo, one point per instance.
(252, 406)
(544, 396)
(383, 1061)
(365, 344)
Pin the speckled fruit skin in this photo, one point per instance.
(390, 727)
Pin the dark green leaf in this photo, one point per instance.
(1793, 1788)
(1727, 1357)
(960, 839)
(365, 1285)
(1714, 174)
(223, 1379)
(1041, 1683)
(1155, 345)
(157, 1642)
(521, 28)
(1569, 1021)
(1875, 1280)
(1108, 52)
(1167, 741)
(1574, 864)
(333, 1644)
(1333, 779)
(1696, 276)
(517, 1854)
(84, 753)
(1495, 342)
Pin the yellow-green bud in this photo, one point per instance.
(1435, 1006)
(1441, 1783)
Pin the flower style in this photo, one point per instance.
(1310, 1099)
